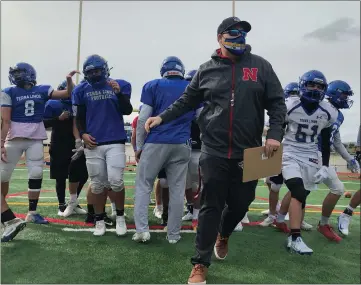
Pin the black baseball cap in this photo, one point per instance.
(232, 21)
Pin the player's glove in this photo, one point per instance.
(321, 175)
(353, 165)
(79, 149)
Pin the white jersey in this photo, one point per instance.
(302, 131)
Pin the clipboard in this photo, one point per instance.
(256, 165)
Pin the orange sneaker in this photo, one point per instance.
(198, 274)
(221, 247)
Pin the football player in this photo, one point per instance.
(22, 130)
(101, 103)
(58, 115)
(338, 94)
(307, 118)
(167, 146)
(344, 219)
(193, 183)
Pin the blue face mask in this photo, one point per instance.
(235, 46)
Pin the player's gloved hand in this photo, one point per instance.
(79, 149)
(64, 116)
(321, 175)
(353, 165)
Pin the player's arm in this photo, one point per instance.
(144, 114)
(133, 140)
(80, 119)
(340, 148)
(326, 145)
(275, 105)
(49, 119)
(64, 94)
(190, 100)
(6, 105)
(123, 96)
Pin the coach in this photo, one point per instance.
(236, 87)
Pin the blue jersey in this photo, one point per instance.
(27, 106)
(160, 94)
(335, 128)
(104, 120)
(54, 108)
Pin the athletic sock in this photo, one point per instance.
(324, 220)
(281, 218)
(120, 212)
(33, 204)
(6, 216)
(348, 210)
(90, 209)
(295, 233)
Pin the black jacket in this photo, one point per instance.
(235, 96)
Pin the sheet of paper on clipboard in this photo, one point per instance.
(256, 165)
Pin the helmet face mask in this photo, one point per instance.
(313, 86)
(95, 70)
(21, 74)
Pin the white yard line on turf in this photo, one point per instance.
(84, 198)
(47, 170)
(113, 230)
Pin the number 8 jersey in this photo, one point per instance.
(27, 110)
(303, 129)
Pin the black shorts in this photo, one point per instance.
(162, 174)
(278, 180)
(77, 170)
(60, 157)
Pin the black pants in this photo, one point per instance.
(222, 185)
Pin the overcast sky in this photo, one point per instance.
(136, 36)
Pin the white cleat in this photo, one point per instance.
(298, 246)
(265, 212)
(141, 237)
(245, 219)
(188, 217)
(268, 221)
(11, 229)
(60, 213)
(173, 241)
(79, 211)
(99, 228)
(158, 212)
(289, 242)
(70, 208)
(239, 227)
(121, 226)
(305, 226)
(287, 218)
(343, 222)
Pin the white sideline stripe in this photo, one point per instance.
(113, 230)
(83, 198)
(47, 170)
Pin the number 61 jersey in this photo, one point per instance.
(303, 129)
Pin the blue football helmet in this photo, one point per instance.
(338, 93)
(63, 85)
(313, 86)
(22, 73)
(190, 74)
(291, 89)
(95, 69)
(172, 65)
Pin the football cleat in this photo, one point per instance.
(157, 212)
(36, 219)
(187, 217)
(239, 227)
(268, 221)
(99, 228)
(329, 233)
(305, 226)
(121, 227)
(11, 229)
(79, 210)
(141, 237)
(298, 246)
(343, 223)
(245, 219)
(282, 227)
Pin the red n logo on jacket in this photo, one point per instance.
(250, 74)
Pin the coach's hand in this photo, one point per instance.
(89, 141)
(152, 122)
(271, 147)
(3, 154)
(115, 86)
